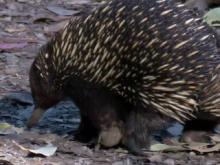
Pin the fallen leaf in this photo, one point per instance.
(15, 13)
(204, 147)
(18, 40)
(6, 129)
(48, 18)
(55, 27)
(47, 150)
(5, 162)
(7, 46)
(61, 11)
(215, 138)
(5, 126)
(212, 17)
(15, 28)
(21, 97)
(164, 147)
(77, 2)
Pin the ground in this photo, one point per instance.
(25, 26)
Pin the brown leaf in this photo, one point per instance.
(204, 147)
(5, 162)
(215, 138)
(55, 27)
(48, 18)
(61, 11)
(8, 46)
(15, 28)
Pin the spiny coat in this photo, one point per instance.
(155, 54)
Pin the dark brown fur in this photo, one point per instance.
(98, 108)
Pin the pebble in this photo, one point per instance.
(169, 162)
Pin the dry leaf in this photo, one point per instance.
(61, 11)
(7, 46)
(164, 147)
(47, 150)
(6, 129)
(204, 147)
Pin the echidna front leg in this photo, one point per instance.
(133, 147)
(86, 131)
(135, 135)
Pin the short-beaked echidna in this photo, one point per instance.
(155, 54)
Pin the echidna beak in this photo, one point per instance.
(35, 117)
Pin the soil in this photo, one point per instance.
(25, 26)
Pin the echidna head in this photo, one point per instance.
(44, 95)
(44, 92)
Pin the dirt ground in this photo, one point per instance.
(24, 26)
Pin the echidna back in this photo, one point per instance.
(154, 53)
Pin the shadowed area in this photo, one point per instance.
(16, 108)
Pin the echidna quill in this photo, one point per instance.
(157, 56)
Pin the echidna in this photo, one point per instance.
(156, 55)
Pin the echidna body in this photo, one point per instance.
(155, 54)
(102, 112)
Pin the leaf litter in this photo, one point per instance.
(25, 26)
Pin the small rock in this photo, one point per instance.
(127, 162)
(118, 163)
(192, 153)
(211, 162)
(169, 162)
(156, 158)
